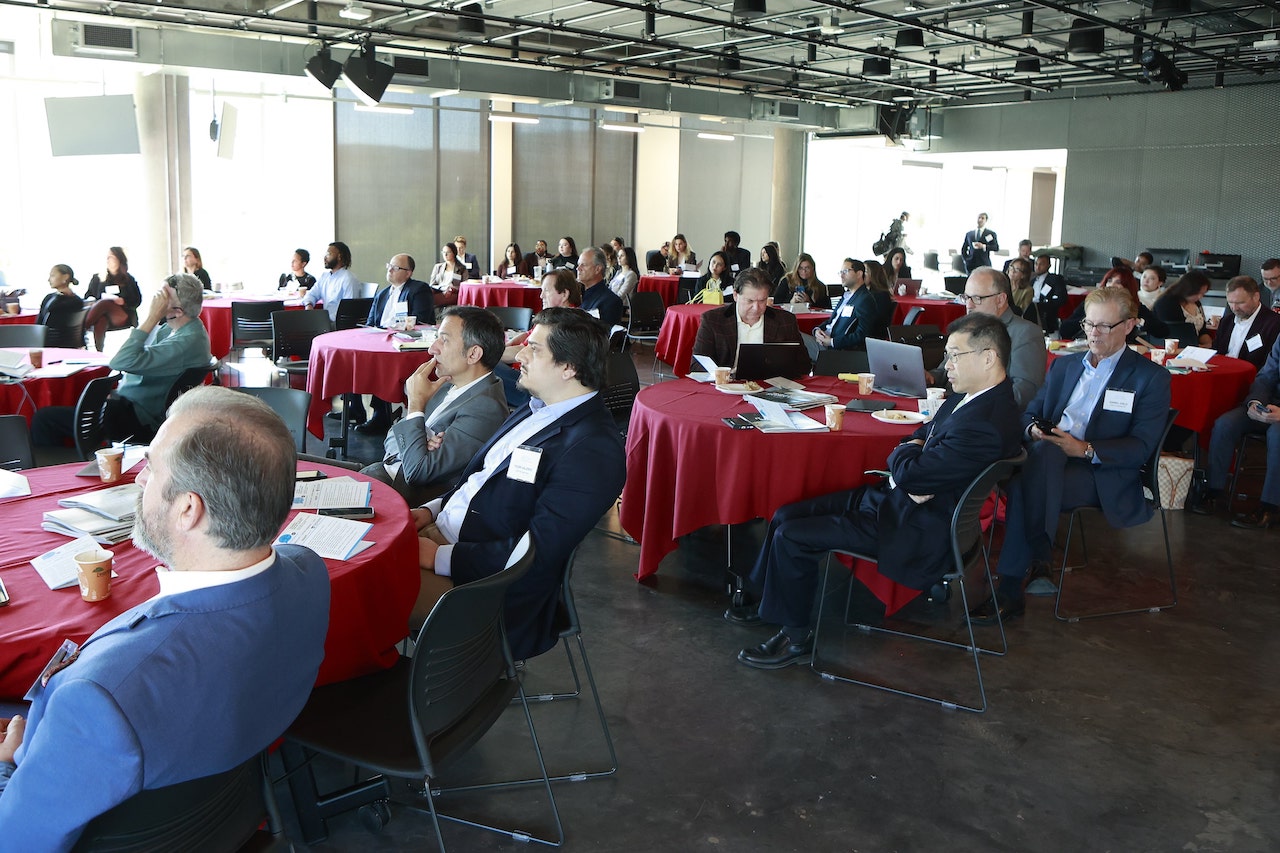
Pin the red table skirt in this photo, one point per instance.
(27, 318)
(356, 361)
(687, 470)
(370, 599)
(215, 314)
(668, 286)
(500, 296)
(53, 390)
(937, 312)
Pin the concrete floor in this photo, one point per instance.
(1144, 732)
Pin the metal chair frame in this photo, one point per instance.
(1241, 447)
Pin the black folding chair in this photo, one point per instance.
(251, 324)
(516, 318)
(291, 405)
(16, 453)
(352, 312)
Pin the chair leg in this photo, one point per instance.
(1062, 580)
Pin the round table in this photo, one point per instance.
(680, 330)
(51, 385)
(26, 318)
(937, 312)
(357, 361)
(668, 286)
(215, 314)
(370, 595)
(687, 470)
(505, 295)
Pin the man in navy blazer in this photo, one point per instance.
(410, 296)
(551, 470)
(1248, 330)
(1109, 406)
(861, 313)
(1050, 294)
(978, 245)
(206, 674)
(906, 521)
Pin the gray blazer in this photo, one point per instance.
(467, 425)
(1027, 359)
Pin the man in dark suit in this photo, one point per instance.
(655, 260)
(748, 320)
(1024, 252)
(405, 296)
(200, 678)
(1248, 331)
(1050, 291)
(467, 259)
(538, 258)
(738, 259)
(978, 245)
(597, 299)
(1110, 406)
(451, 417)
(904, 521)
(551, 471)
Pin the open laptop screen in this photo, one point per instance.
(764, 361)
(899, 368)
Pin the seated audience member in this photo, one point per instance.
(1050, 293)
(624, 281)
(680, 254)
(560, 289)
(448, 419)
(203, 676)
(1270, 289)
(987, 292)
(737, 258)
(118, 310)
(1146, 332)
(610, 256)
(717, 275)
(1022, 298)
(193, 264)
(514, 263)
(862, 312)
(597, 299)
(1024, 252)
(58, 306)
(1247, 330)
(447, 276)
(1181, 304)
(1260, 413)
(895, 264)
(168, 342)
(1142, 261)
(1151, 286)
(297, 277)
(1110, 406)
(538, 259)
(566, 254)
(655, 260)
(467, 259)
(904, 521)
(336, 283)
(747, 320)
(771, 264)
(551, 470)
(802, 285)
(405, 296)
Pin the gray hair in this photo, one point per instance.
(190, 293)
(239, 457)
(596, 256)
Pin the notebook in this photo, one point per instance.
(899, 368)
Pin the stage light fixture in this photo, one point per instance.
(355, 12)
(909, 38)
(472, 26)
(1028, 64)
(366, 76)
(876, 66)
(1086, 37)
(749, 8)
(1160, 68)
(323, 68)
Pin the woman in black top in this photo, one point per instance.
(1181, 304)
(298, 275)
(57, 305)
(803, 285)
(567, 256)
(193, 264)
(1149, 326)
(896, 264)
(771, 264)
(117, 310)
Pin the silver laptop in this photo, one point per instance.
(899, 368)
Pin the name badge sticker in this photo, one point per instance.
(1116, 400)
(846, 311)
(1253, 343)
(524, 463)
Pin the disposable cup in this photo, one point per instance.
(835, 417)
(1157, 356)
(93, 568)
(36, 357)
(110, 462)
(866, 383)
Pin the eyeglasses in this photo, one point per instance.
(975, 300)
(1105, 328)
(953, 357)
(847, 271)
(394, 268)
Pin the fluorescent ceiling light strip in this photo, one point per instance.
(718, 137)
(287, 4)
(635, 111)
(625, 128)
(512, 119)
(392, 111)
(444, 93)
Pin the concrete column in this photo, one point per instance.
(787, 221)
(164, 136)
(501, 186)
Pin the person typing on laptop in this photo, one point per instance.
(747, 320)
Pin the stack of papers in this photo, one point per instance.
(330, 537)
(774, 417)
(332, 493)
(105, 515)
(57, 568)
(798, 400)
(14, 364)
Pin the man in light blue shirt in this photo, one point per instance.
(336, 283)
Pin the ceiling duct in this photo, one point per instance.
(769, 110)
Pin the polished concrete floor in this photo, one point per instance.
(1144, 732)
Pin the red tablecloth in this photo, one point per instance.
(24, 317)
(937, 312)
(811, 320)
(1069, 307)
(216, 316)
(687, 470)
(680, 330)
(356, 361)
(371, 594)
(501, 295)
(666, 285)
(52, 390)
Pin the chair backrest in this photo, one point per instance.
(66, 329)
(213, 813)
(647, 311)
(912, 316)
(325, 460)
(1184, 332)
(15, 444)
(462, 667)
(352, 312)
(955, 283)
(966, 522)
(928, 337)
(291, 404)
(368, 290)
(516, 318)
(251, 321)
(293, 331)
(88, 415)
(188, 379)
(567, 622)
(833, 362)
(1151, 470)
(22, 335)
(621, 386)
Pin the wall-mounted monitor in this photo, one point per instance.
(104, 124)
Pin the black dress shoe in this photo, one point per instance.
(986, 612)
(778, 652)
(1206, 505)
(748, 614)
(374, 426)
(1259, 519)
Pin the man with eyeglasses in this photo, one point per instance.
(905, 521)
(1270, 289)
(404, 297)
(987, 292)
(597, 299)
(1109, 406)
(861, 313)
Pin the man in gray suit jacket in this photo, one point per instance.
(447, 419)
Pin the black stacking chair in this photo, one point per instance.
(833, 362)
(291, 334)
(622, 384)
(88, 415)
(517, 318)
(352, 312)
(291, 405)
(66, 330)
(22, 336)
(16, 453)
(251, 324)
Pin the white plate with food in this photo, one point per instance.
(740, 388)
(899, 416)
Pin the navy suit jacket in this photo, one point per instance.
(1123, 441)
(580, 474)
(1266, 326)
(177, 688)
(418, 295)
(914, 539)
(600, 298)
(1049, 305)
(870, 311)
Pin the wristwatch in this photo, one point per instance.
(1088, 451)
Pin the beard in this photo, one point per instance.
(330, 263)
(151, 537)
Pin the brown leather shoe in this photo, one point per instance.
(1259, 519)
